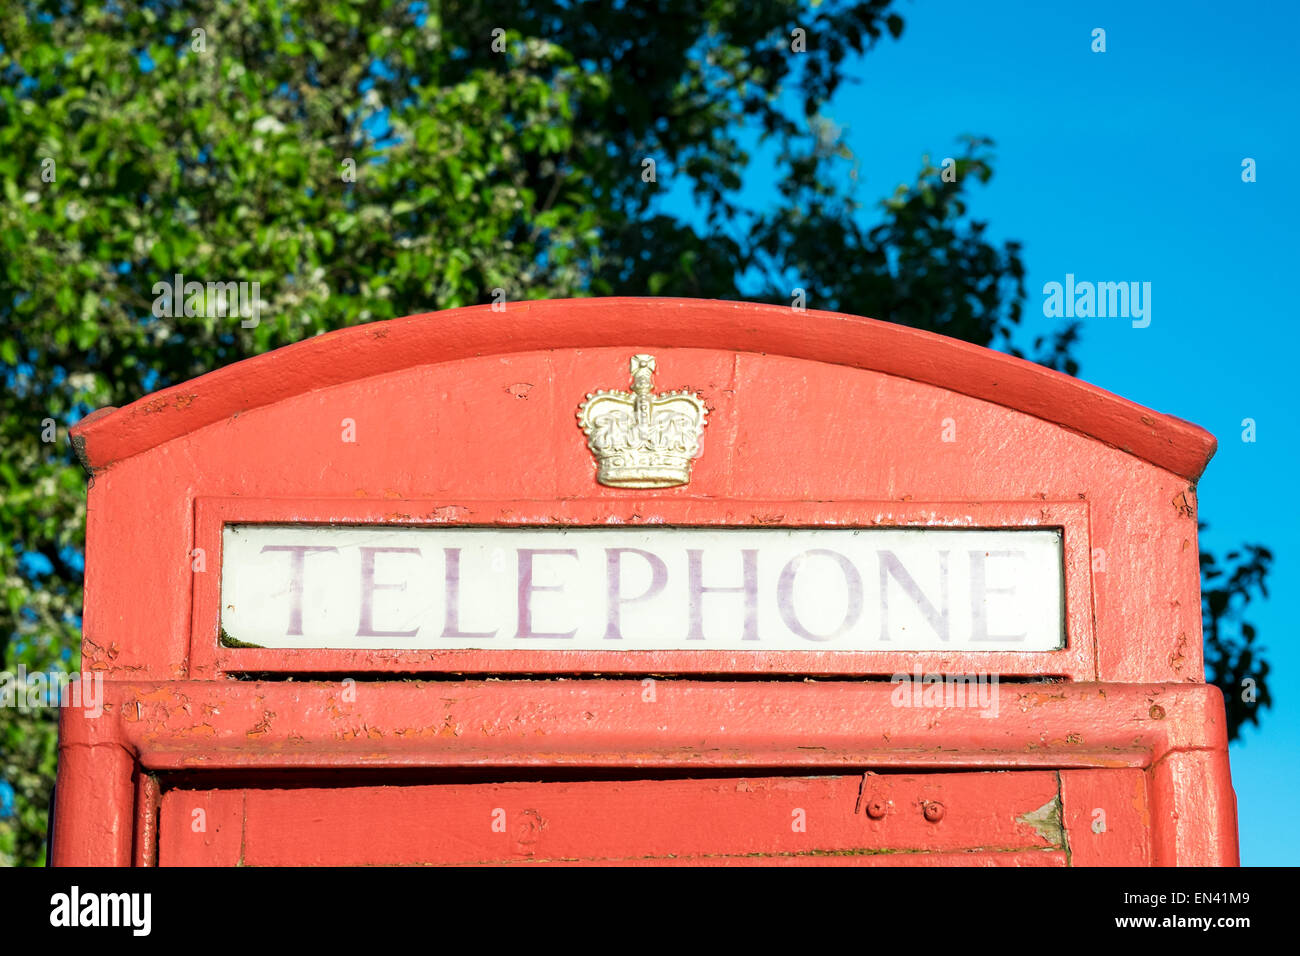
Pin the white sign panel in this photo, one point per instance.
(643, 588)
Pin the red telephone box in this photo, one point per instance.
(642, 581)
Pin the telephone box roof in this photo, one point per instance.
(376, 348)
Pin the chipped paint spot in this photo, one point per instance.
(1178, 658)
(1140, 802)
(1046, 821)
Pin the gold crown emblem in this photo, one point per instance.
(640, 439)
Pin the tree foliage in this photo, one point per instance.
(364, 159)
(1233, 662)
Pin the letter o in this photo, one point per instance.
(785, 594)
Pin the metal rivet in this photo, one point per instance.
(877, 808)
(933, 811)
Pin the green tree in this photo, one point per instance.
(364, 159)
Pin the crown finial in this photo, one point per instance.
(640, 439)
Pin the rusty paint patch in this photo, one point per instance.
(1037, 698)
(263, 726)
(184, 400)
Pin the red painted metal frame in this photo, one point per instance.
(1175, 733)
(1077, 660)
(151, 625)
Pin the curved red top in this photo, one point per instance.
(357, 352)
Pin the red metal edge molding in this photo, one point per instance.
(377, 348)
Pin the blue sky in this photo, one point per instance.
(1126, 165)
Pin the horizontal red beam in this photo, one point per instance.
(640, 724)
